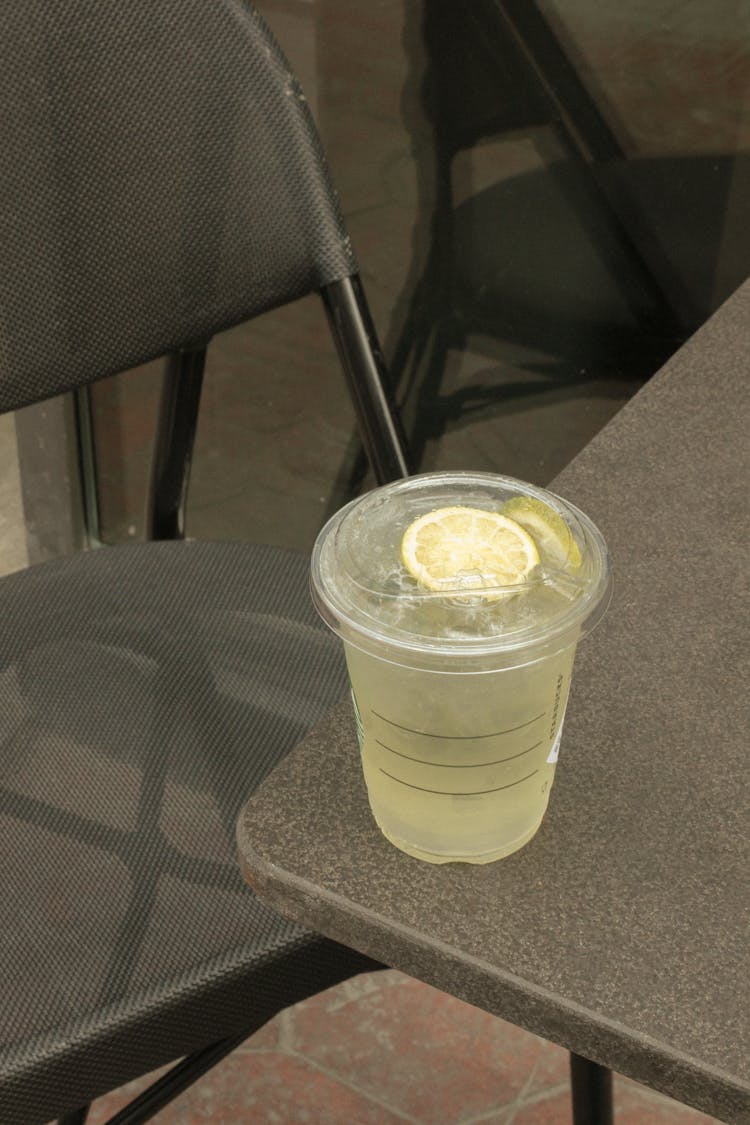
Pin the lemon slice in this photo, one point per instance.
(552, 535)
(467, 548)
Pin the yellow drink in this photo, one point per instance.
(460, 626)
(459, 767)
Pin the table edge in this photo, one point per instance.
(527, 1005)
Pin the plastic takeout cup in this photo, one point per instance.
(459, 698)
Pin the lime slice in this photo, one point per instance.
(467, 548)
(552, 535)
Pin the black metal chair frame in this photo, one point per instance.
(367, 380)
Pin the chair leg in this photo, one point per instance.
(173, 443)
(77, 1117)
(591, 1090)
(364, 368)
(88, 465)
(176, 1080)
(168, 1087)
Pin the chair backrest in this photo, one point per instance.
(162, 179)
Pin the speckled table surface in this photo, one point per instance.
(621, 931)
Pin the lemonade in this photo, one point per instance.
(460, 598)
(459, 756)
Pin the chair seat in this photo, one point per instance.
(145, 691)
(560, 284)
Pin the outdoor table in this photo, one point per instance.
(621, 930)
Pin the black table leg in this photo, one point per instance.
(591, 1089)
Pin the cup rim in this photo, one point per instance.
(338, 608)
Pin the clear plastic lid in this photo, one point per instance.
(365, 593)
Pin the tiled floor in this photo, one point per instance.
(383, 1049)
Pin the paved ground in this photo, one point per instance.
(383, 1049)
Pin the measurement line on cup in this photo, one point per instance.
(458, 765)
(460, 737)
(451, 793)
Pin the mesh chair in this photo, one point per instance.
(162, 180)
(540, 265)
